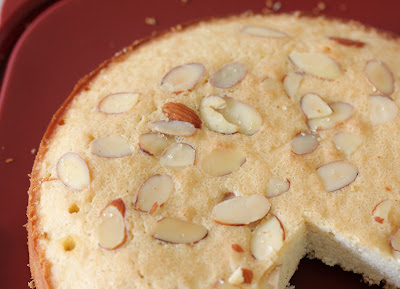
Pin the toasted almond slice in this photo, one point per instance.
(245, 117)
(220, 163)
(291, 83)
(316, 64)
(261, 31)
(337, 175)
(395, 241)
(179, 111)
(176, 231)
(156, 189)
(154, 143)
(214, 120)
(228, 75)
(380, 76)
(183, 77)
(304, 143)
(267, 238)
(383, 109)
(111, 146)
(348, 42)
(346, 142)
(313, 106)
(118, 102)
(241, 210)
(178, 155)
(341, 112)
(276, 187)
(273, 278)
(174, 127)
(221, 284)
(73, 171)
(111, 231)
(380, 212)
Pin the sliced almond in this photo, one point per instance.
(380, 76)
(383, 109)
(179, 111)
(316, 64)
(111, 231)
(276, 187)
(220, 163)
(245, 117)
(73, 171)
(156, 189)
(313, 106)
(237, 248)
(337, 175)
(291, 83)
(346, 142)
(118, 102)
(178, 155)
(237, 276)
(213, 119)
(380, 212)
(228, 75)
(228, 196)
(395, 241)
(241, 210)
(273, 278)
(304, 143)
(179, 232)
(154, 143)
(261, 31)
(221, 284)
(111, 146)
(183, 77)
(267, 238)
(341, 112)
(348, 42)
(174, 127)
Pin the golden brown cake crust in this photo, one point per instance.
(40, 267)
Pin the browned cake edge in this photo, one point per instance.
(39, 266)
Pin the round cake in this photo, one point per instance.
(219, 154)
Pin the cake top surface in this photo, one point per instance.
(203, 154)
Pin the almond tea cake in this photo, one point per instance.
(220, 154)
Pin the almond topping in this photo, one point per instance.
(292, 82)
(395, 241)
(261, 31)
(111, 146)
(178, 155)
(183, 77)
(380, 212)
(179, 111)
(380, 76)
(73, 172)
(348, 42)
(111, 230)
(316, 64)
(154, 143)
(228, 75)
(273, 278)
(267, 238)
(346, 142)
(304, 143)
(276, 187)
(341, 112)
(179, 232)
(383, 109)
(219, 163)
(156, 190)
(247, 276)
(336, 175)
(241, 210)
(237, 248)
(174, 127)
(313, 106)
(118, 102)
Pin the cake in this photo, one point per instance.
(220, 154)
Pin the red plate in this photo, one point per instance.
(70, 39)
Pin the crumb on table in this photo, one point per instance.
(150, 21)
(9, 160)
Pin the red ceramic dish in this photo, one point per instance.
(70, 39)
